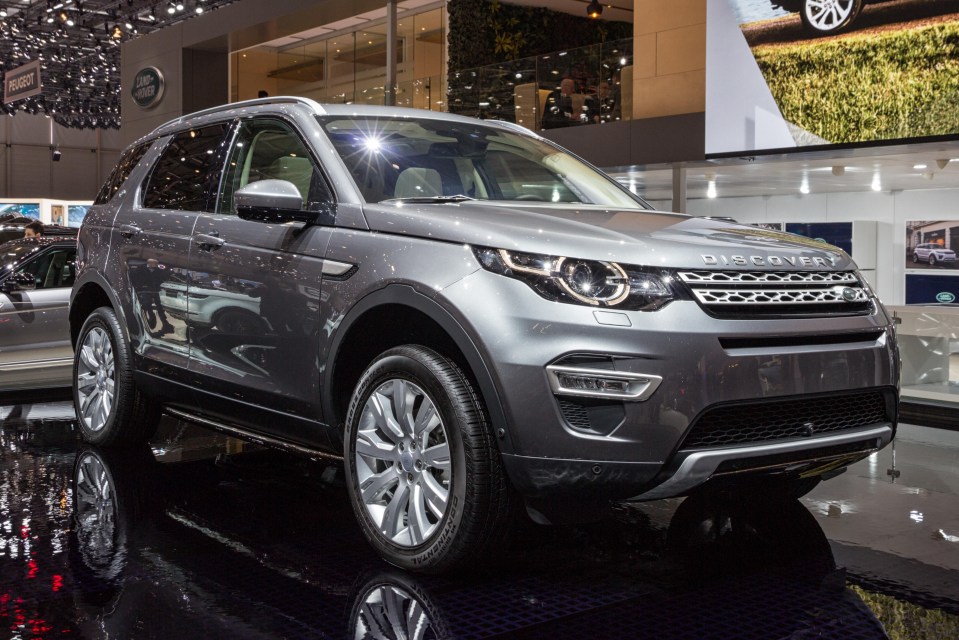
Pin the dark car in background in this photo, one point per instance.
(12, 227)
(36, 275)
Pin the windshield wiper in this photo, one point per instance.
(430, 199)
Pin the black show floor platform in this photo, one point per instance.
(205, 536)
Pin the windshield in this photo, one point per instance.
(396, 158)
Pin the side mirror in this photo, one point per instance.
(19, 282)
(271, 201)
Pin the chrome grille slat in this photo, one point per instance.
(776, 296)
(746, 294)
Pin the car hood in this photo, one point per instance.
(651, 238)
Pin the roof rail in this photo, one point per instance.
(313, 104)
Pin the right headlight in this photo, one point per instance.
(595, 283)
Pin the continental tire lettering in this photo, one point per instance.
(448, 533)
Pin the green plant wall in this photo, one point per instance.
(483, 32)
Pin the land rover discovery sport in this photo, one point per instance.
(469, 317)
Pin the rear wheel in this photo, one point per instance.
(823, 17)
(111, 411)
(423, 472)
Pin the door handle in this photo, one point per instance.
(209, 241)
(129, 230)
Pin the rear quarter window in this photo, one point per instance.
(128, 161)
(187, 171)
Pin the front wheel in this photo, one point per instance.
(111, 411)
(825, 17)
(423, 472)
(932, 260)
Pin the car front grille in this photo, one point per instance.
(763, 421)
(748, 294)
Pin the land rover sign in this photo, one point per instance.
(147, 87)
(945, 296)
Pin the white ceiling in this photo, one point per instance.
(888, 168)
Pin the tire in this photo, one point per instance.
(826, 17)
(403, 484)
(915, 258)
(393, 601)
(103, 361)
(932, 260)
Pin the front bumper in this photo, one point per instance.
(701, 361)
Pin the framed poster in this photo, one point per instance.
(57, 215)
(787, 74)
(931, 245)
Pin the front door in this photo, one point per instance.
(35, 325)
(255, 292)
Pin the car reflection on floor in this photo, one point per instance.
(204, 536)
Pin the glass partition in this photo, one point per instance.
(929, 346)
(586, 85)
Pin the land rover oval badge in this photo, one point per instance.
(147, 87)
(849, 294)
(945, 296)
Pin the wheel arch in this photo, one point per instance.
(390, 317)
(88, 295)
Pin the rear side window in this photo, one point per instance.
(190, 163)
(128, 161)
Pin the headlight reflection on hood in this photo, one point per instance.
(594, 283)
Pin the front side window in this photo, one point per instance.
(269, 149)
(395, 158)
(188, 166)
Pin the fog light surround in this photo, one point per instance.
(601, 383)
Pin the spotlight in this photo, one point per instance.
(3, 12)
(56, 155)
(199, 9)
(594, 9)
(117, 32)
(171, 9)
(63, 16)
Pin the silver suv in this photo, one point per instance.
(932, 254)
(469, 317)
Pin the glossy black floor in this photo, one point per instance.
(203, 536)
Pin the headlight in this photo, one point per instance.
(575, 281)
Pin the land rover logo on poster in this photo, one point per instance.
(945, 296)
(147, 87)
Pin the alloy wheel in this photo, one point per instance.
(403, 467)
(389, 611)
(96, 379)
(828, 15)
(96, 515)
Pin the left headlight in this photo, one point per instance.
(594, 283)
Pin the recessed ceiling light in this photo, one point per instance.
(919, 166)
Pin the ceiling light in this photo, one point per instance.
(171, 9)
(3, 12)
(117, 32)
(594, 9)
(179, 6)
(711, 189)
(876, 183)
(199, 9)
(919, 166)
(804, 186)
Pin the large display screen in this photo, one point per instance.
(930, 289)
(782, 74)
(26, 209)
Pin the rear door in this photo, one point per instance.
(34, 325)
(152, 238)
(255, 291)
